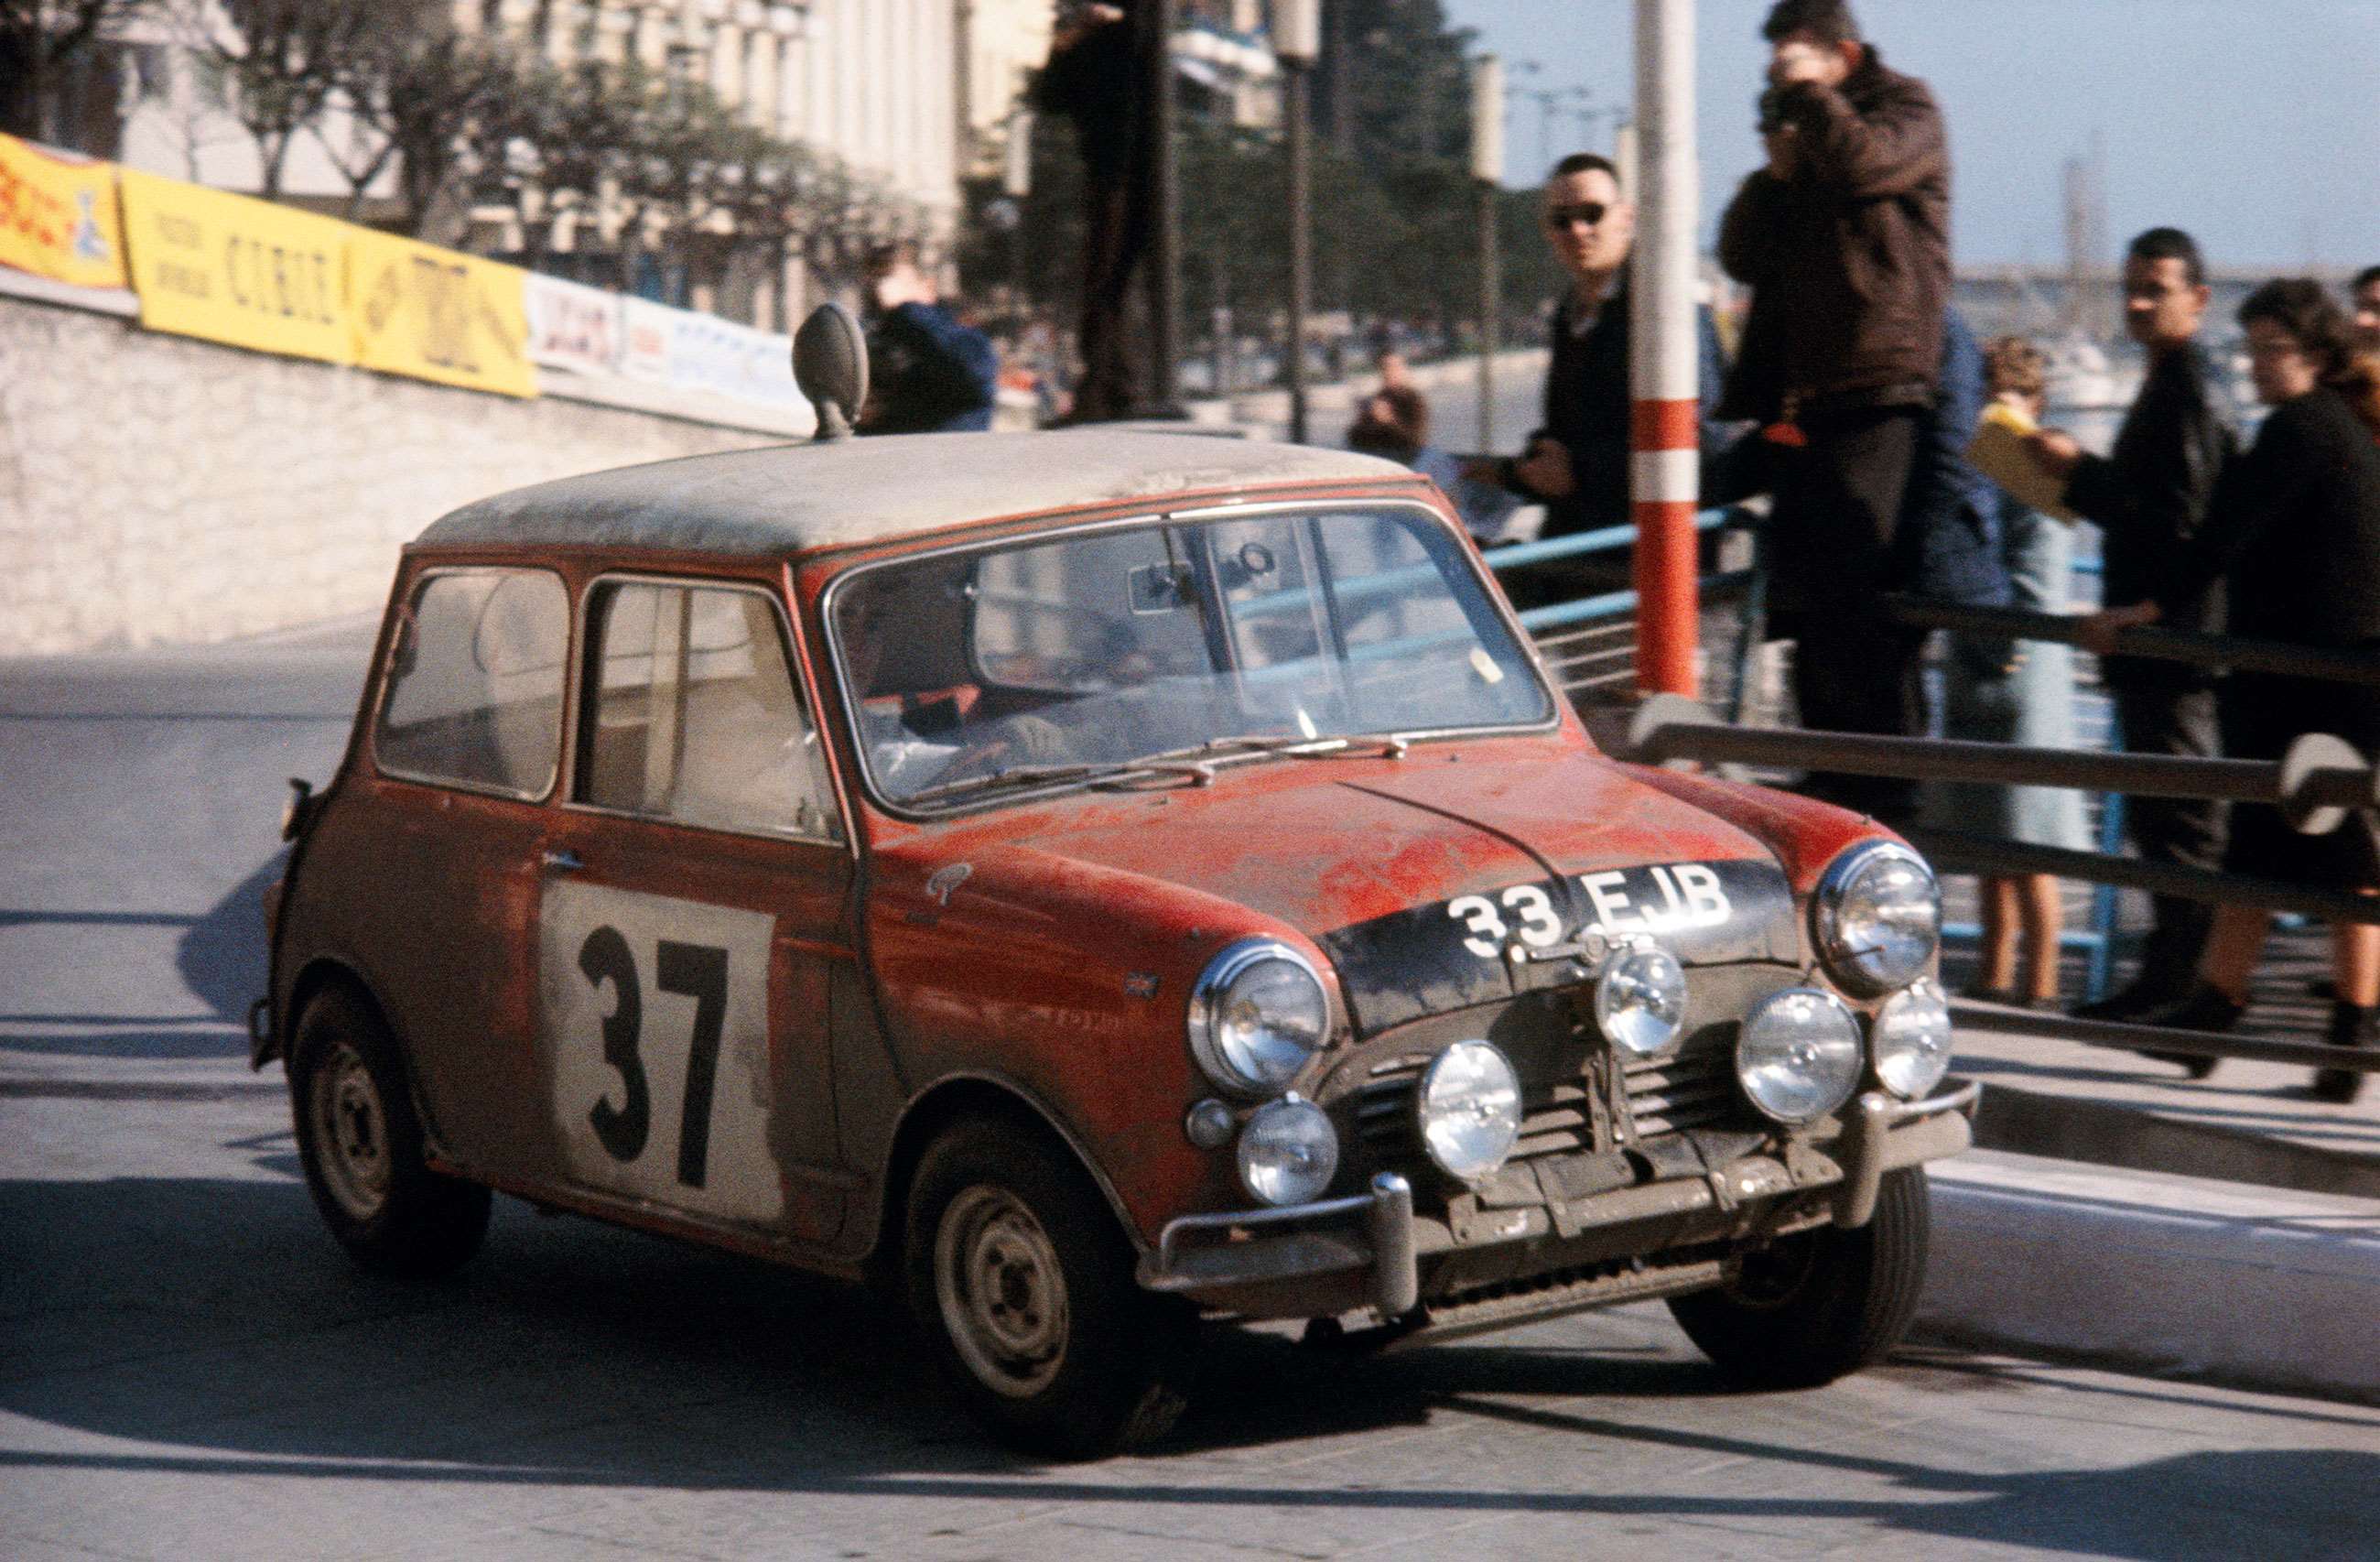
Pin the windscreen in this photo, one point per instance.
(1108, 647)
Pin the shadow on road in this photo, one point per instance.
(220, 955)
(210, 1321)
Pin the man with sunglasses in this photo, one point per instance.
(1844, 239)
(1577, 464)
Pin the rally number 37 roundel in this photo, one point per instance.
(655, 1041)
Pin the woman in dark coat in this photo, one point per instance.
(2294, 535)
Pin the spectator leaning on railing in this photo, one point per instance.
(1394, 422)
(2149, 497)
(2295, 530)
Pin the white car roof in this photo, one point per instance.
(790, 499)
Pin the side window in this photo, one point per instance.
(692, 715)
(475, 682)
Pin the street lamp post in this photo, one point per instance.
(1487, 170)
(1296, 41)
(1016, 184)
(1165, 270)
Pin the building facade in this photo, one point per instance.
(1002, 44)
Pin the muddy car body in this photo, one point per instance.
(1088, 880)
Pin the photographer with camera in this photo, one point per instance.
(1844, 238)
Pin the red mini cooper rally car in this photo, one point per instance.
(1088, 880)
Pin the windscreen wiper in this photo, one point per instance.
(1249, 743)
(1196, 760)
(1015, 776)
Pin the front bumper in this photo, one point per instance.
(1384, 1246)
(1337, 1254)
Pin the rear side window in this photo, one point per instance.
(475, 682)
(694, 716)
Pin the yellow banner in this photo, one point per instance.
(439, 315)
(234, 270)
(58, 217)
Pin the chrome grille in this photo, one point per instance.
(1557, 1116)
(1692, 1088)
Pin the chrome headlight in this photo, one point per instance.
(1879, 918)
(1469, 1108)
(1911, 1039)
(1289, 1152)
(1799, 1055)
(1640, 999)
(1258, 1013)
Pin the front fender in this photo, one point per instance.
(1804, 835)
(1070, 982)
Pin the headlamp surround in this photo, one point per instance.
(1877, 918)
(1257, 1014)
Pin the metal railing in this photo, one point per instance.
(1563, 629)
(2160, 1039)
(2316, 785)
(2214, 652)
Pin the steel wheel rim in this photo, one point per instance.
(1001, 1290)
(350, 1124)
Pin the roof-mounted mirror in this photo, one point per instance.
(831, 368)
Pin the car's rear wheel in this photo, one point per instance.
(1819, 1304)
(361, 1145)
(1021, 1279)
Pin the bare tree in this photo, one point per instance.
(558, 139)
(281, 63)
(773, 203)
(428, 97)
(682, 167)
(41, 40)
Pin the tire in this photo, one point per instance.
(1820, 1304)
(1071, 1358)
(360, 1142)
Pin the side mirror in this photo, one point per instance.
(831, 368)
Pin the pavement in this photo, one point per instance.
(2248, 1122)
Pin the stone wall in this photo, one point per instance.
(155, 490)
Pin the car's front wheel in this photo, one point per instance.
(1021, 1279)
(1819, 1304)
(361, 1145)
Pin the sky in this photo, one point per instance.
(2255, 124)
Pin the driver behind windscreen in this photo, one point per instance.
(917, 710)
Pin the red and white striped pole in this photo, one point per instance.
(1665, 475)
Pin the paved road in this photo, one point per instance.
(189, 1369)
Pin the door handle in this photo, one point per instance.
(562, 859)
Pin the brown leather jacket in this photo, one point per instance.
(1848, 259)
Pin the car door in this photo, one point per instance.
(692, 909)
(465, 747)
